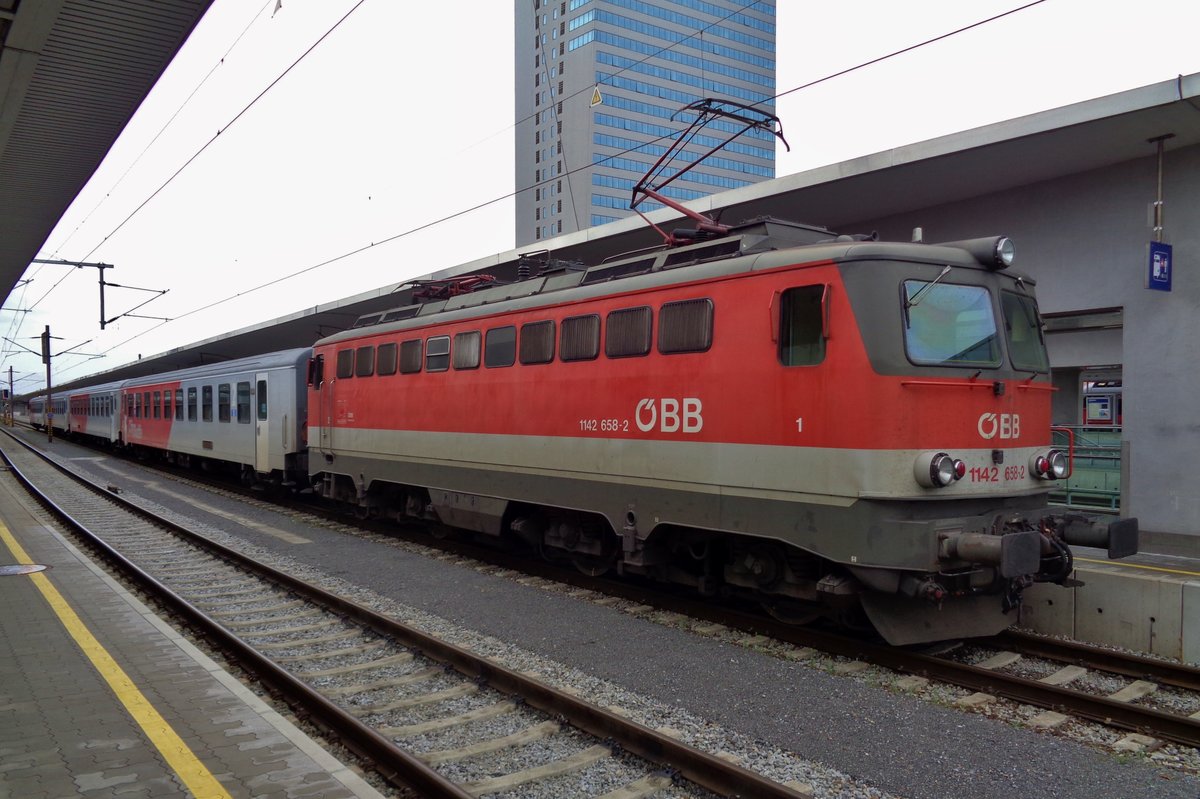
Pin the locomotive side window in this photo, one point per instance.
(206, 403)
(385, 359)
(949, 325)
(627, 332)
(364, 362)
(345, 364)
(1023, 326)
(437, 354)
(466, 350)
(223, 402)
(580, 338)
(801, 326)
(685, 326)
(243, 402)
(192, 404)
(500, 347)
(537, 342)
(410, 356)
(179, 404)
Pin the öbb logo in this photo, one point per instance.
(1006, 425)
(665, 415)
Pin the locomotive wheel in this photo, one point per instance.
(791, 612)
(590, 565)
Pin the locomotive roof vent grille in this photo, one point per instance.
(599, 274)
(395, 314)
(367, 320)
(722, 249)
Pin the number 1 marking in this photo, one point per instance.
(800, 425)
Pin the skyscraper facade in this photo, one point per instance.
(597, 84)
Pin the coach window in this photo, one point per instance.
(580, 338)
(685, 326)
(243, 402)
(627, 332)
(500, 347)
(537, 342)
(179, 404)
(345, 364)
(192, 404)
(801, 326)
(411, 352)
(260, 393)
(146, 405)
(385, 359)
(437, 354)
(224, 395)
(364, 362)
(466, 350)
(206, 399)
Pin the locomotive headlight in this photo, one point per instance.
(1004, 252)
(938, 470)
(1049, 465)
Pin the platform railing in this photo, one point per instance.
(1095, 477)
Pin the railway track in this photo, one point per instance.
(1109, 687)
(432, 717)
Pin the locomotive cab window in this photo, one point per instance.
(627, 332)
(466, 350)
(802, 326)
(345, 364)
(437, 354)
(949, 325)
(1023, 328)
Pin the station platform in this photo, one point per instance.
(101, 698)
(1149, 602)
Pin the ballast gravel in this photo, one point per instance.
(841, 734)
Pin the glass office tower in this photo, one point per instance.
(597, 83)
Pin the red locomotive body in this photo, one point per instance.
(830, 426)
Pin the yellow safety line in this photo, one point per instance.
(194, 775)
(1141, 566)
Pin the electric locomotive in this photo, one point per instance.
(832, 425)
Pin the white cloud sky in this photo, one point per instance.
(397, 120)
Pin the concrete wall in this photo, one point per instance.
(1084, 239)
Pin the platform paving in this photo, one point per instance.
(101, 698)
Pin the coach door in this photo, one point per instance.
(262, 433)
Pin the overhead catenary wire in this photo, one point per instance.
(479, 206)
(195, 90)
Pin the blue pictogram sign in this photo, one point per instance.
(1158, 270)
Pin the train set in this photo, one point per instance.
(831, 425)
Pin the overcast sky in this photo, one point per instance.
(395, 121)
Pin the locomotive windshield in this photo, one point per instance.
(949, 325)
(1026, 346)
